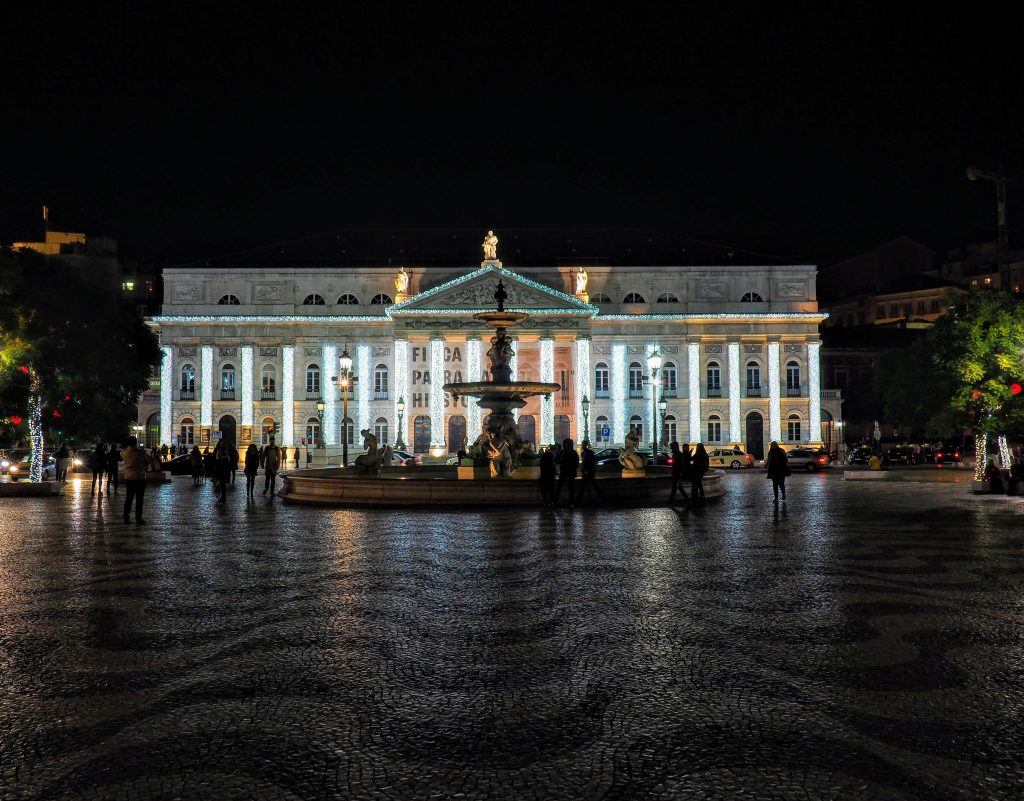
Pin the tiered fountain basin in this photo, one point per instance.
(451, 486)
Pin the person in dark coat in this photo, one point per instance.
(588, 461)
(252, 466)
(221, 472)
(699, 465)
(567, 468)
(546, 482)
(111, 462)
(233, 457)
(680, 470)
(196, 460)
(98, 464)
(778, 469)
(208, 463)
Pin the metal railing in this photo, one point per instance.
(268, 394)
(601, 393)
(380, 394)
(312, 395)
(792, 392)
(669, 392)
(636, 393)
(227, 394)
(753, 391)
(186, 394)
(714, 392)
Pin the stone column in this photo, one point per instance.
(774, 391)
(814, 392)
(546, 434)
(582, 367)
(247, 380)
(287, 395)
(618, 379)
(364, 369)
(437, 432)
(400, 368)
(206, 391)
(514, 368)
(693, 383)
(167, 395)
(735, 437)
(474, 372)
(329, 392)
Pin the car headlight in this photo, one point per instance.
(14, 468)
(78, 462)
(5, 464)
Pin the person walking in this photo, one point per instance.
(196, 460)
(97, 462)
(778, 469)
(208, 464)
(111, 461)
(136, 465)
(699, 465)
(233, 458)
(63, 460)
(271, 464)
(680, 470)
(252, 466)
(569, 464)
(546, 482)
(221, 472)
(588, 461)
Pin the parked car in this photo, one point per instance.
(900, 456)
(858, 456)
(611, 455)
(398, 458)
(947, 455)
(734, 458)
(17, 465)
(180, 465)
(807, 459)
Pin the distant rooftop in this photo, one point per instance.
(517, 247)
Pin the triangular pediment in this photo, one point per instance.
(474, 292)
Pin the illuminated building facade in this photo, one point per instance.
(251, 351)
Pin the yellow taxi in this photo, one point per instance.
(733, 458)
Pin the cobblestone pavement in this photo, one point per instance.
(864, 642)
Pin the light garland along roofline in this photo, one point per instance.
(269, 318)
(471, 312)
(693, 316)
(574, 303)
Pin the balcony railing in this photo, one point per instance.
(636, 393)
(714, 392)
(268, 394)
(753, 391)
(669, 392)
(792, 392)
(187, 394)
(310, 395)
(227, 394)
(380, 394)
(600, 393)
(831, 394)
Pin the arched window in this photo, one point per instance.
(793, 428)
(751, 297)
(753, 380)
(348, 300)
(527, 428)
(267, 429)
(227, 382)
(666, 297)
(421, 433)
(600, 424)
(669, 379)
(714, 428)
(228, 300)
(381, 300)
(600, 297)
(188, 382)
(636, 380)
(634, 297)
(380, 382)
(601, 380)
(792, 378)
(669, 430)
(313, 300)
(312, 381)
(380, 430)
(268, 382)
(188, 431)
(457, 432)
(637, 422)
(714, 377)
(313, 432)
(348, 431)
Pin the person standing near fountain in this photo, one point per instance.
(570, 463)
(546, 482)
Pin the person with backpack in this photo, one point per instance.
(271, 465)
(778, 469)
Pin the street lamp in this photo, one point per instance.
(654, 363)
(320, 415)
(585, 406)
(345, 380)
(400, 441)
(663, 408)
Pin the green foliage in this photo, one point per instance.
(911, 386)
(92, 351)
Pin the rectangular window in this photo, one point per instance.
(714, 430)
(793, 430)
(565, 385)
(601, 382)
(935, 305)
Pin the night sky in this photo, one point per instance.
(808, 136)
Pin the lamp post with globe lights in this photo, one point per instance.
(320, 406)
(585, 408)
(346, 379)
(663, 410)
(400, 440)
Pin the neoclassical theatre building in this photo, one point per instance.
(250, 352)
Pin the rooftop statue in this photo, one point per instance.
(490, 246)
(581, 281)
(402, 282)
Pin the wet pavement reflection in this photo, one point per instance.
(861, 641)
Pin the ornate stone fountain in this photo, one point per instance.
(501, 442)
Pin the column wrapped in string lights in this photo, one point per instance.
(474, 372)
(363, 386)
(206, 385)
(401, 371)
(329, 392)
(35, 428)
(618, 380)
(547, 403)
(693, 379)
(247, 381)
(735, 429)
(437, 442)
(774, 393)
(514, 372)
(814, 389)
(654, 383)
(582, 383)
(166, 395)
(288, 395)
